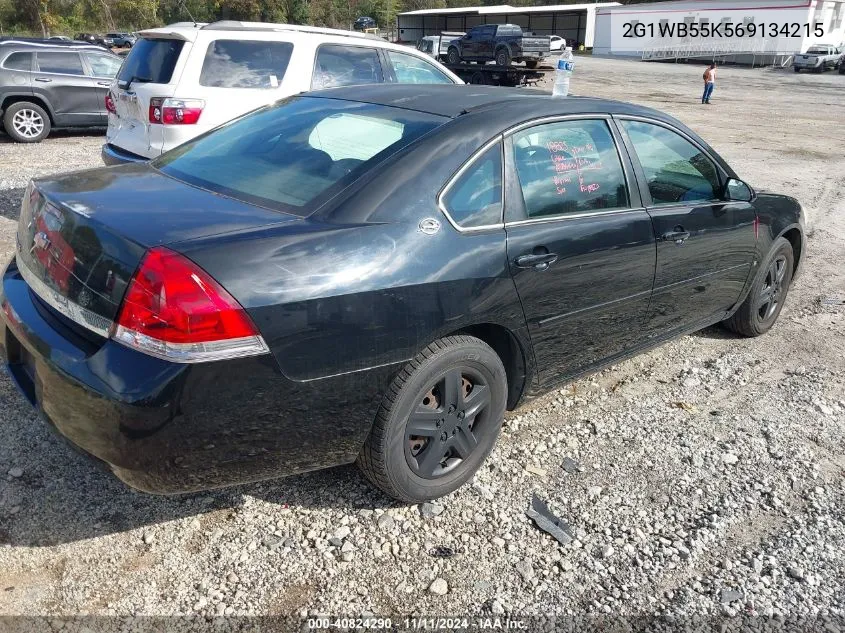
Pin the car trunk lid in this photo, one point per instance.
(80, 238)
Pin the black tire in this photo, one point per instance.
(765, 300)
(26, 122)
(415, 468)
(531, 63)
(453, 56)
(478, 78)
(503, 57)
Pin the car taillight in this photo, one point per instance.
(174, 310)
(110, 104)
(175, 111)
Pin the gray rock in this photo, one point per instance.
(607, 551)
(497, 607)
(594, 491)
(342, 532)
(439, 587)
(730, 459)
(570, 465)
(525, 569)
(272, 541)
(386, 522)
(795, 572)
(431, 510)
(16, 472)
(482, 586)
(148, 538)
(730, 595)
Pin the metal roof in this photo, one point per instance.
(506, 8)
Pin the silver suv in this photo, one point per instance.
(50, 84)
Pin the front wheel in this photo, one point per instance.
(453, 56)
(438, 422)
(765, 300)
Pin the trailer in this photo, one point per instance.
(493, 75)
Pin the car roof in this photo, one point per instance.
(189, 30)
(455, 100)
(29, 43)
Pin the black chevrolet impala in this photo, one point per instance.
(374, 274)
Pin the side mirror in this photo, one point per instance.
(738, 191)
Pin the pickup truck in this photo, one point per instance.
(503, 43)
(819, 58)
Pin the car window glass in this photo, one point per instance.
(339, 65)
(151, 61)
(413, 70)
(475, 198)
(64, 63)
(676, 170)
(244, 64)
(103, 65)
(352, 136)
(18, 61)
(569, 167)
(296, 154)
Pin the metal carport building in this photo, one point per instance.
(574, 22)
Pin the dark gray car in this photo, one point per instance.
(45, 85)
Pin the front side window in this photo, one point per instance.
(296, 154)
(18, 61)
(475, 198)
(676, 170)
(413, 70)
(339, 65)
(244, 64)
(103, 65)
(61, 63)
(569, 167)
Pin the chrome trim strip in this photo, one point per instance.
(456, 176)
(558, 117)
(81, 316)
(575, 216)
(191, 352)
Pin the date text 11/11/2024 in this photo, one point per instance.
(463, 624)
(634, 30)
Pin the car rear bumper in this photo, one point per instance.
(113, 155)
(165, 427)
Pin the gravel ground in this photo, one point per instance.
(702, 478)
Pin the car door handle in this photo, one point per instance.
(43, 80)
(679, 236)
(538, 262)
(104, 83)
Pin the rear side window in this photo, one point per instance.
(151, 61)
(62, 63)
(475, 198)
(339, 65)
(240, 64)
(413, 70)
(18, 61)
(569, 167)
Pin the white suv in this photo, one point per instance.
(185, 79)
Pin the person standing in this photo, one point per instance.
(709, 83)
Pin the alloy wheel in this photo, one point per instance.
(28, 123)
(444, 428)
(773, 290)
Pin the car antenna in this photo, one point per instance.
(188, 11)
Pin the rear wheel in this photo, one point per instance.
(453, 56)
(531, 63)
(503, 57)
(762, 307)
(439, 420)
(26, 122)
(477, 78)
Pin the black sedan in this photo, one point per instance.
(374, 274)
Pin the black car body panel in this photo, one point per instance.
(345, 294)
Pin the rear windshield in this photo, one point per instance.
(151, 61)
(295, 155)
(241, 64)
